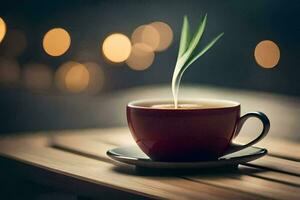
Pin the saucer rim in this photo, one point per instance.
(148, 163)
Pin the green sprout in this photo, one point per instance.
(187, 54)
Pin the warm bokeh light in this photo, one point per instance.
(14, 43)
(146, 34)
(97, 78)
(56, 41)
(9, 71)
(165, 35)
(60, 75)
(141, 57)
(73, 77)
(77, 78)
(2, 29)
(267, 54)
(37, 76)
(116, 47)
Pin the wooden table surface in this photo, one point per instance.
(76, 160)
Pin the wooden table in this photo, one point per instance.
(76, 161)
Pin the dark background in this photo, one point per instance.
(230, 64)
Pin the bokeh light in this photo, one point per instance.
(72, 77)
(116, 47)
(9, 71)
(77, 78)
(97, 78)
(141, 57)
(267, 54)
(165, 35)
(56, 41)
(14, 43)
(146, 34)
(60, 75)
(2, 29)
(37, 76)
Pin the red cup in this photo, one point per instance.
(204, 132)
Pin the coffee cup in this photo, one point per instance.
(197, 130)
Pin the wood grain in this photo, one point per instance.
(277, 164)
(265, 183)
(106, 174)
(278, 147)
(252, 184)
(275, 146)
(122, 137)
(81, 155)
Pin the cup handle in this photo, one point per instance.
(266, 127)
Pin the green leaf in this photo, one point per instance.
(185, 36)
(196, 38)
(203, 51)
(186, 54)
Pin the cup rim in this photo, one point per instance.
(228, 103)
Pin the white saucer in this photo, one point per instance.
(134, 156)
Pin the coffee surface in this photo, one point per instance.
(184, 104)
(187, 106)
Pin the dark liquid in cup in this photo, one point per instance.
(188, 106)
